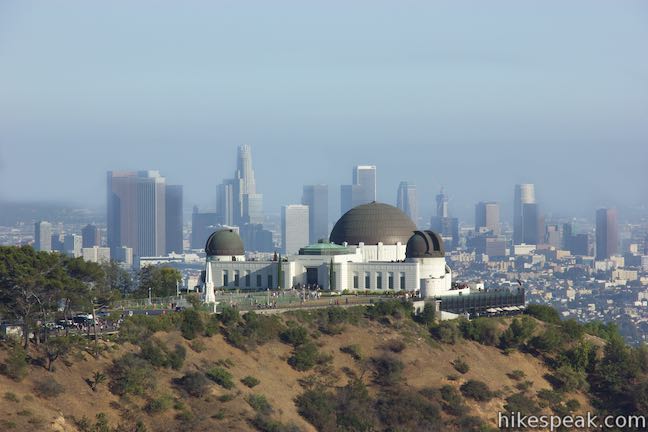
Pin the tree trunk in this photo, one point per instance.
(26, 334)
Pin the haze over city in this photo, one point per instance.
(471, 96)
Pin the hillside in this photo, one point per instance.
(300, 376)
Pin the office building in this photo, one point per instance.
(554, 235)
(406, 200)
(363, 189)
(91, 236)
(137, 211)
(96, 254)
(316, 198)
(607, 235)
(202, 226)
(57, 243)
(173, 217)
(579, 245)
(72, 245)
(443, 224)
(294, 228)
(533, 230)
(256, 238)
(524, 194)
(43, 236)
(237, 199)
(487, 217)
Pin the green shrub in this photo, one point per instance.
(543, 313)
(453, 403)
(550, 397)
(524, 386)
(318, 407)
(254, 330)
(446, 332)
(353, 351)
(16, 364)
(518, 333)
(482, 330)
(294, 335)
(227, 397)
(131, 375)
(522, 404)
(427, 315)
(194, 383)
(477, 390)
(229, 315)
(221, 377)
(389, 308)
(48, 388)
(460, 365)
(516, 375)
(569, 380)
(264, 423)
(160, 404)
(11, 397)
(304, 357)
(198, 346)
(403, 409)
(192, 324)
(388, 369)
(250, 381)
(549, 341)
(259, 403)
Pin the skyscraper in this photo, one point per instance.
(487, 216)
(72, 245)
(237, 199)
(43, 236)
(533, 230)
(443, 224)
(137, 211)
(607, 236)
(91, 237)
(294, 228)
(316, 198)
(363, 189)
(406, 200)
(173, 209)
(202, 225)
(442, 204)
(524, 194)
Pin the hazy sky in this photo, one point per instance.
(475, 96)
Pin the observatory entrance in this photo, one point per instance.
(311, 275)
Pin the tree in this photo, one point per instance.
(31, 283)
(161, 281)
(57, 347)
(97, 378)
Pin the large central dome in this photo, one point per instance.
(371, 224)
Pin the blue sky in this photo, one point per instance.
(474, 96)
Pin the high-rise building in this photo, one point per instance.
(524, 194)
(91, 236)
(173, 204)
(363, 189)
(72, 245)
(256, 239)
(294, 228)
(316, 198)
(137, 211)
(237, 199)
(487, 217)
(532, 224)
(43, 236)
(554, 235)
(406, 200)
(442, 204)
(607, 235)
(202, 226)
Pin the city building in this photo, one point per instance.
(316, 198)
(524, 194)
(43, 236)
(487, 217)
(237, 199)
(256, 237)
(173, 217)
(294, 227)
(137, 211)
(72, 245)
(363, 189)
(406, 200)
(202, 225)
(56, 242)
(607, 233)
(91, 236)
(532, 226)
(96, 254)
(443, 224)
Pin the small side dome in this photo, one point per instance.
(224, 242)
(425, 244)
